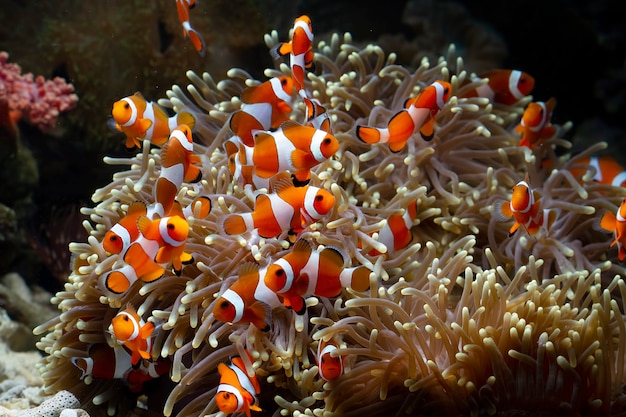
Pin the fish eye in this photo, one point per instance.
(171, 226)
(224, 304)
(125, 317)
(283, 81)
(446, 90)
(319, 197)
(126, 106)
(113, 238)
(326, 141)
(280, 273)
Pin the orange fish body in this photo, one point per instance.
(265, 106)
(396, 233)
(616, 223)
(300, 50)
(504, 86)
(535, 125)
(178, 164)
(237, 390)
(139, 119)
(316, 115)
(303, 272)
(418, 113)
(171, 235)
(130, 330)
(607, 170)
(125, 232)
(288, 208)
(247, 300)
(293, 147)
(182, 8)
(330, 367)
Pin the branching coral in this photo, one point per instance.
(464, 320)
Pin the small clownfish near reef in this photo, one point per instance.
(179, 164)
(265, 106)
(161, 241)
(247, 300)
(289, 208)
(616, 223)
(525, 208)
(396, 233)
(183, 7)
(607, 170)
(130, 330)
(504, 86)
(140, 119)
(303, 272)
(237, 390)
(330, 367)
(119, 237)
(418, 112)
(535, 125)
(293, 147)
(300, 50)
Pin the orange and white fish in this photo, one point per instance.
(396, 233)
(265, 106)
(419, 113)
(607, 170)
(504, 86)
(183, 7)
(140, 119)
(178, 164)
(616, 223)
(330, 367)
(535, 125)
(133, 332)
(304, 272)
(300, 50)
(316, 115)
(237, 390)
(119, 237)
(525, 208)
(289, 208)
(161, 241)
(247, 300)
(293, 147)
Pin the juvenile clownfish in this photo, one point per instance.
(293, 147)
(265, 106)
(616, 223)
(525, 208)
(418, 112)
(396, 233)
(130, 330)
(183, 7)
(607, 170)
(535, 125)
(289, 208)
(161, 241)
(139, 119)
(106, 362)
(247, 300)
(504, 86)
(303, 272)
(237, 390)
(330, 367)
(316, 115)
(119, 237)
(300, 50)
(178, 164)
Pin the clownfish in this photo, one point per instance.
(265, 106)
(247, 300)
(293, 147)
(106, 362)
(418, 113)
(396, 233)
(504, 86)
(178, 164)
(607, 170)
(161, 241)
(300, 50)
(535, 124)
(316, 115)
(525, 208)
(119, 237)
(140, 119)
(130, 330)
(199, 208)
(329, 367)
(303, 272)
(237, 390)
(183, 7)
(616, 223)
(289, 208)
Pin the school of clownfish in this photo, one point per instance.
(273, 155)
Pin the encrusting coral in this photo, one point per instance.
(465, 320)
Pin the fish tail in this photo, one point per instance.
(236, 224)
(118, 282)
(186, 118)
(357, 278)
(369, 134)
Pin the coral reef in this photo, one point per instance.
(465, 320)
